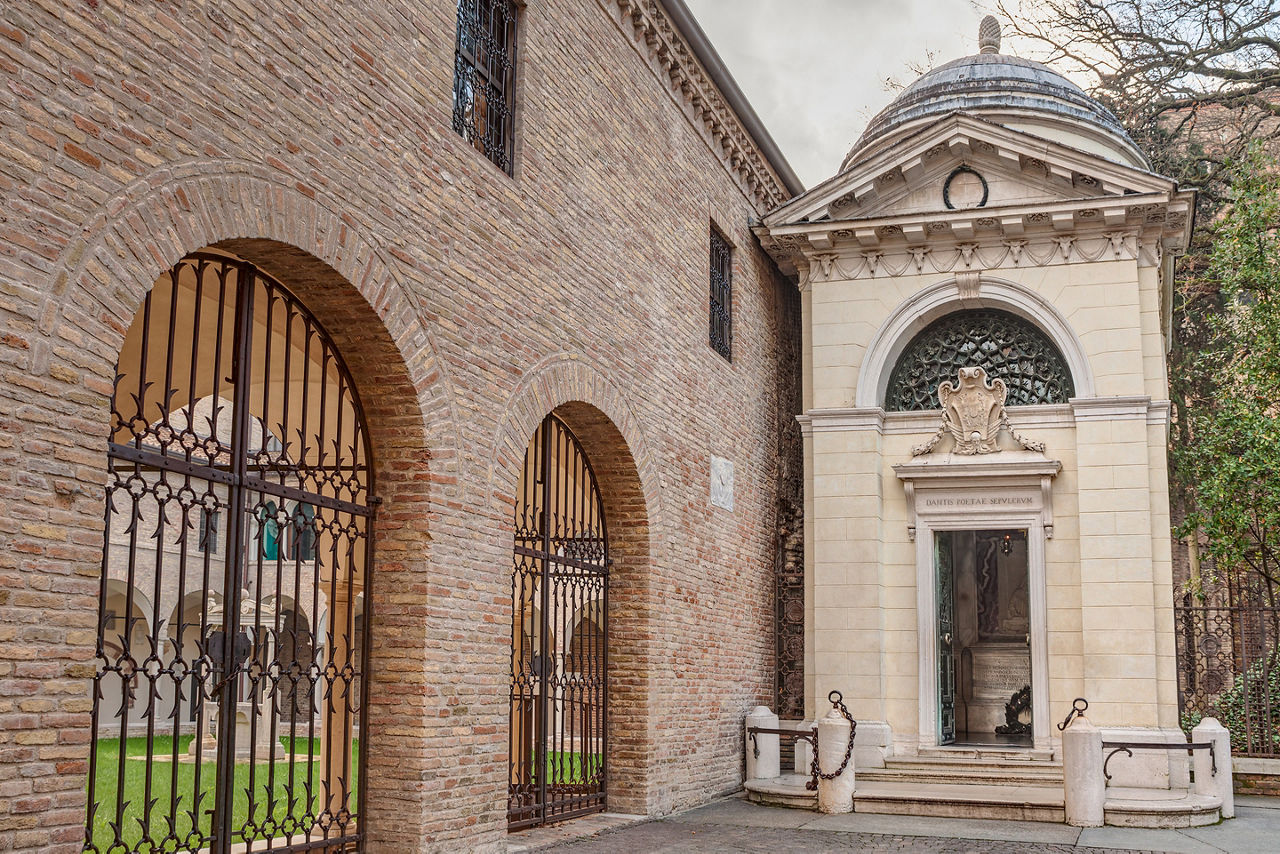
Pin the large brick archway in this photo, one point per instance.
(53, 588)
(596, 412)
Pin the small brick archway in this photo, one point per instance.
(595, 411)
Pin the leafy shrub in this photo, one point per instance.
(1254, 695)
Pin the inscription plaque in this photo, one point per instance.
(997, 673)
(1004, 500)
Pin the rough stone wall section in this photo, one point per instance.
(789, 571)
(317, 139)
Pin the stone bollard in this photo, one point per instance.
(804, 750)
(1084, 786)
(1207, 782)
(763, 761)
(834, 796)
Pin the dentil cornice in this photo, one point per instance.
(673, 62)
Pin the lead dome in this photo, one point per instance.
(1018, 93)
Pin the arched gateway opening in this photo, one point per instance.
(238, 498)
(559, 662)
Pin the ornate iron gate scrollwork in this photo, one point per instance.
(559, 660)
(1229, 661)
(230, 692)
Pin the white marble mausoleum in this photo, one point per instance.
(986, 289)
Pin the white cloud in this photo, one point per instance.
(815, 70)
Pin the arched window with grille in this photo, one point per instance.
(1008, 346)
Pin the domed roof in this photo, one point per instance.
(1006, 89)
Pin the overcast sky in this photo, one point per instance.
(815, 70)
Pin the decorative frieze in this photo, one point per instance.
(974, 257)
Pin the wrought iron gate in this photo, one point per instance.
(1229, 663)
(559, 660)
(230, 693)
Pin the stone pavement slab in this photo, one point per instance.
(670, 837)
(736, 825)
(1258, 801)
(1173, 841)
(1254, 829)
(735, 811)
(542, 838)
(947, 828)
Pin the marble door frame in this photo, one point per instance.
(927, 608)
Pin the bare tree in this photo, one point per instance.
(1192, 80)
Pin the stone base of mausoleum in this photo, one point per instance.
(981, 783)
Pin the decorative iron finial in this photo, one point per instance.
(989, 35)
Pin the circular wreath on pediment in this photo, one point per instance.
(1009, 347)
(958, 172)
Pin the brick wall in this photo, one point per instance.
(315, 140)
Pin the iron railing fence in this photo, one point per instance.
(229, 688)
(1229, 667)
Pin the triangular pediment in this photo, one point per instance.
(965, 162)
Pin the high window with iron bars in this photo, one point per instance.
(484, 78)
(721, 313)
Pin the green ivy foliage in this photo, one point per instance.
(1230, 462)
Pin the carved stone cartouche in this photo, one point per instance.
(973, 414)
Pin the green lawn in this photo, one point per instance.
(566, 767)
(285, 794)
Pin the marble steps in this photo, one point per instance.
(1160, 808)
(964, 788)
(960, 800)
(986, 753)
(785, 791)
(965, 770)
(1150, 808)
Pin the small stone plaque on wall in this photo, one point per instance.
(722, 483)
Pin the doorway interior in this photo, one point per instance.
(983, 637)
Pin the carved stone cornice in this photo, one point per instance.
(841, 420)
(1146, 247)
(659, 42)
(870, 187)
(1138, 228)
(1039, 416)
(1028, 475)
(1133, 407)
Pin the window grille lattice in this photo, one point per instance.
(484, 77)
(1007, 346)
(721, 295)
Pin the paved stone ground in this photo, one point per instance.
(737, 826)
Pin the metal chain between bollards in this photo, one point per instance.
(837, 701)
